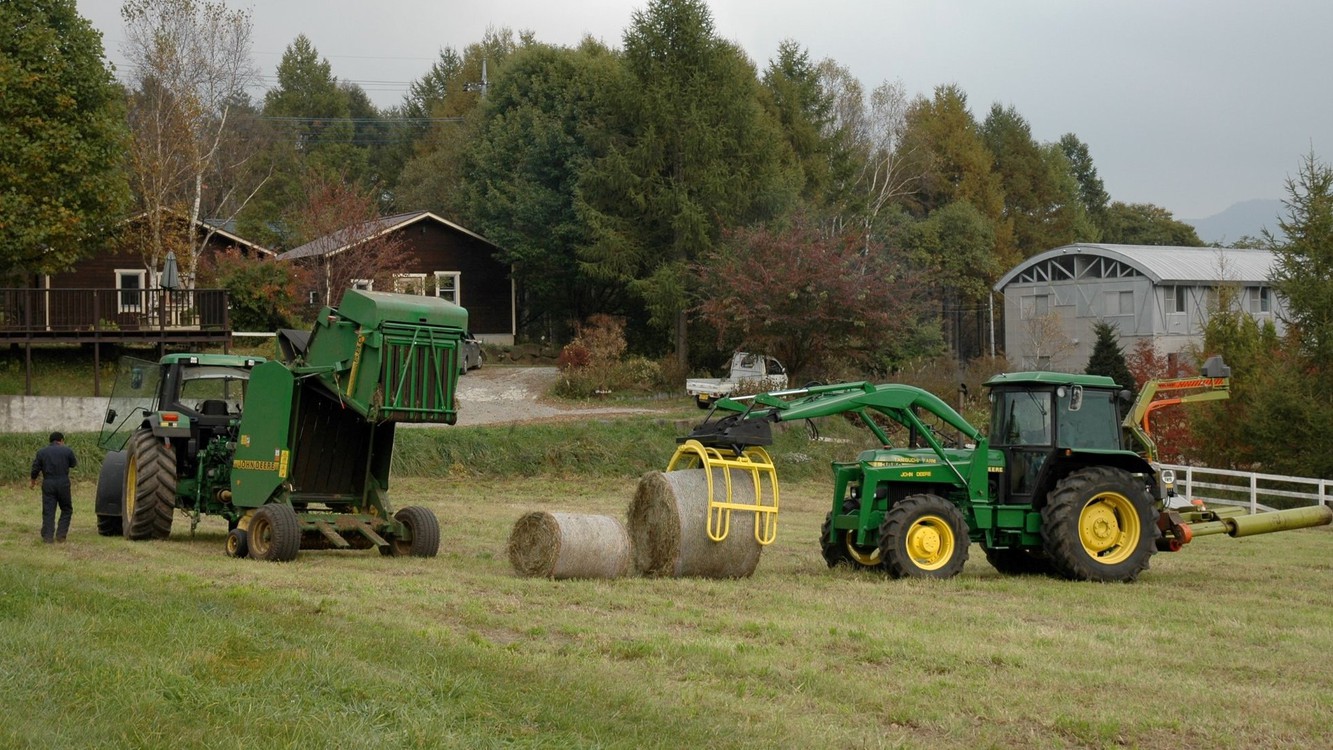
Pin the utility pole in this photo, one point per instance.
(483, 85)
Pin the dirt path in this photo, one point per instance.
(501, 394)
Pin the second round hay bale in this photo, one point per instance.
(668, 526)
(569, 545)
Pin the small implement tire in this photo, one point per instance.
(149, 496)
(107, 502)
(834, 553)
(275, 534)
(238, 543)
(423, 527)
(923, 536)
(1019, 562)
(1098, 525)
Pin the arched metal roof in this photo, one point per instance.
(1162, 264)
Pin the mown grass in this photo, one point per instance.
(171, 644)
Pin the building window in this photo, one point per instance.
(130, 284)
(1036, 306)
(1260, 302)
(365, 285)
(1176, 297)
(312, 298)
(1119, 303)
(447, 286)
(410, 283)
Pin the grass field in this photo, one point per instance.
(170, 644)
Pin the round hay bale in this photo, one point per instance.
(668, 526)
(569, 545)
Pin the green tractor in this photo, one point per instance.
(1054, 488)
(294, 454)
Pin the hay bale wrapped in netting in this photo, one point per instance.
(569, 545)
(668, 526)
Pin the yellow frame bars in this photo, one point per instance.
(753, 459)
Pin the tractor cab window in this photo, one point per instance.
(1095, 424)
(210, 390)
(1022, 418)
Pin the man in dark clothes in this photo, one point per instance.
(54, 462)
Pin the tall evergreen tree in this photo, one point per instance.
(804, 108)
(1091, 192)
(1304, 271)
(62, 136)
(699, 151)
(535, 132)
(1108, 357)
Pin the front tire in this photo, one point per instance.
(923, 536)
(238, 543)
(274, 534)
(107, 501)
(423, 528)
(1098, 525)
(149, 495)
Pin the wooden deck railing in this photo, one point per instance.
(46, 313)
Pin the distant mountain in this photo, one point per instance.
(1240, 220)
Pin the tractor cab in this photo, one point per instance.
(1043, 421)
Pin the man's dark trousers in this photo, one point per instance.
(55, 492)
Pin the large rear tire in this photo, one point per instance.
(274, 533)
(424, 529)
(107, 502)
(923, 536)
(1098, 525)
(149, 496)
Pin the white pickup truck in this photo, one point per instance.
(756, 372)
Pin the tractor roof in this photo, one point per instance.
(224, 360)
(1051, 378)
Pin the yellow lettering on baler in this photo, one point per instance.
(249, 465)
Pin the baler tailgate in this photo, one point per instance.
(416, 363)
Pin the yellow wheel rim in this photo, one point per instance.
(131, 488)
(930, 542)
(1109, 528)
(859, 553)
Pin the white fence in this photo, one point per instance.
(1235, 487)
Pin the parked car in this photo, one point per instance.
(471, 356)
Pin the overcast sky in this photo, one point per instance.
(1189, 104)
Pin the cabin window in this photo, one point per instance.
(410, 283)
(130, 285)
(447, 286)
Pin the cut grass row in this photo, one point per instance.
(170, 644)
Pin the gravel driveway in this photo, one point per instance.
(503, 394)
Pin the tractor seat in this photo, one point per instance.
(213, 407)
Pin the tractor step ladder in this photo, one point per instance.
(754, 460)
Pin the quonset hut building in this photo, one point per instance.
(1052, 300)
